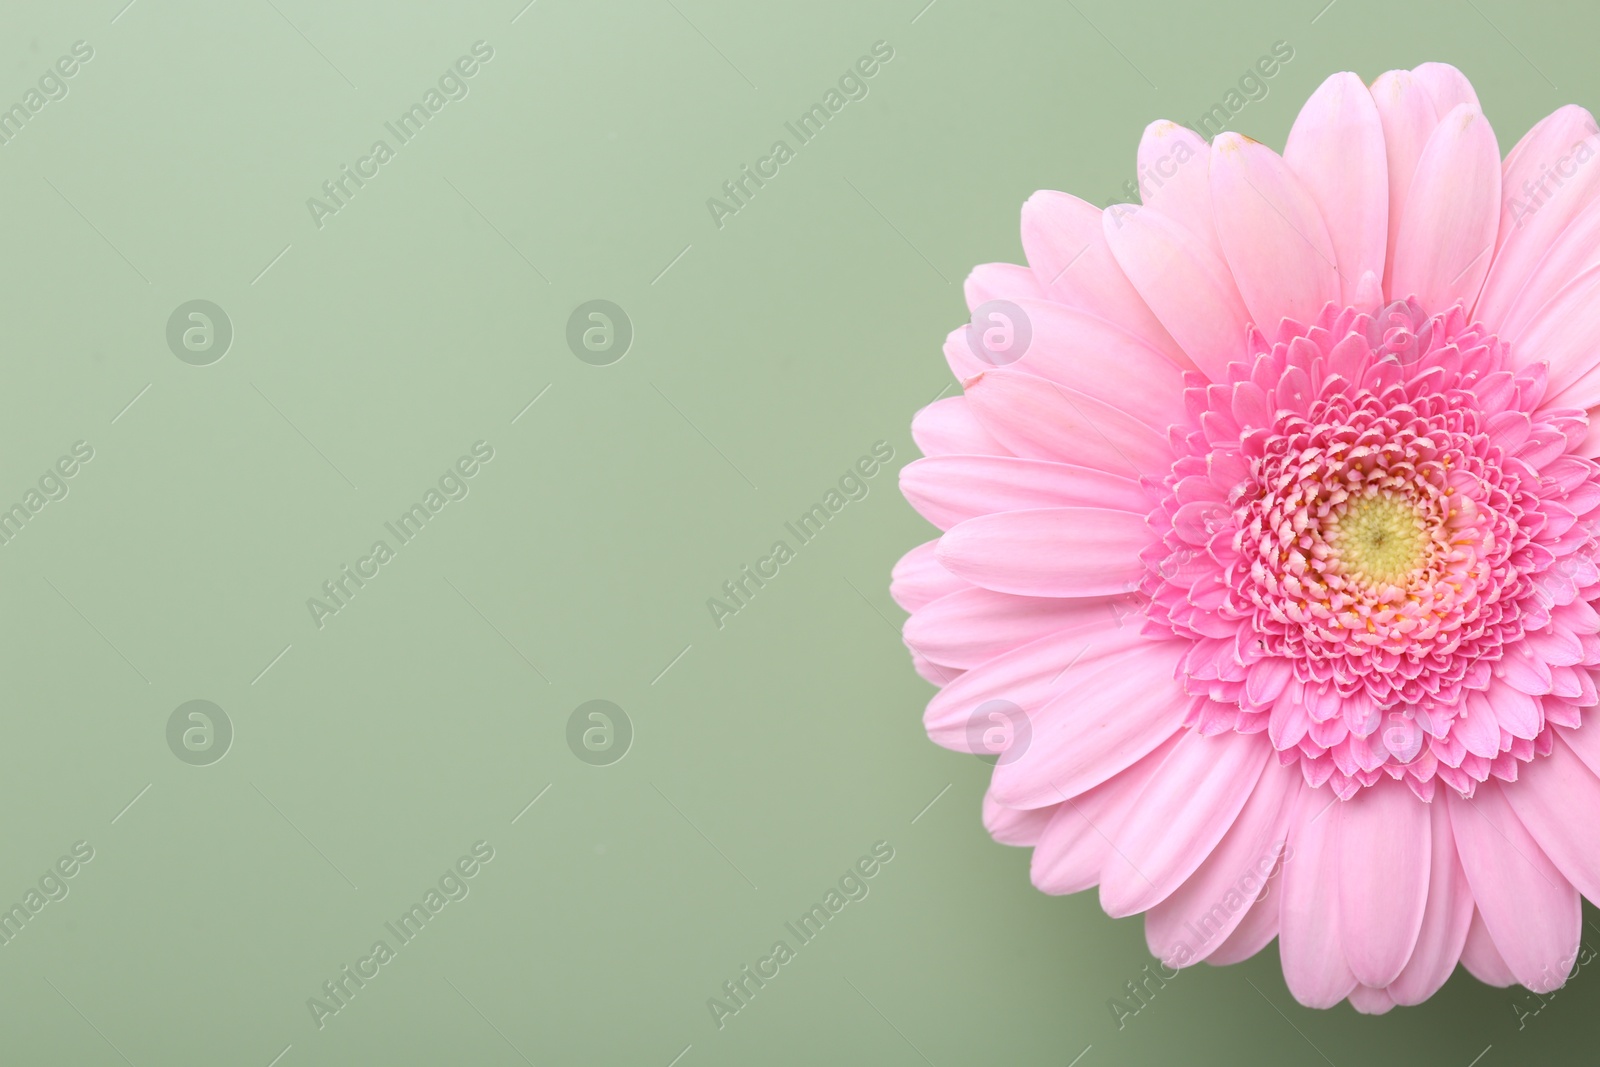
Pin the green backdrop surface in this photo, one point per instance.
(383, 325)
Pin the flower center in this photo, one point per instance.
(1380, 538)
(1376, 535)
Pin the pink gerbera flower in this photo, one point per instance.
(1268, 568)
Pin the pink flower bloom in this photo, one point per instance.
(1268, 566)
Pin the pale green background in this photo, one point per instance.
(775, 751)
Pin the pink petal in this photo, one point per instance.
(1110, 715)
(1077, 840)
(1336, 150)
(1447, 228)
(1558, 799)
(1481, 959)
(1191, 803)
(1000, 281)
(1049, 551)
(1174, 171)
(1477, 727)
(1093, 357)
(1515, 711)
(1445, 919)
(950, 489)
(1385, 852)
(1540, 203)
(1188, 286)
(1531, 911)
(1029, 677)
(1015, 826)
(1447, 86)
(1575, 251)
(1370, 1001)
(919, 579)
(1406, 110)
(1261, 923)
(1309, 939)
(1585, 744)
(1272, 233)
(968, 628)
(1072, 848)
(933, 673)
(1197, 918)
(1289, 721)
(959, 355)
(948, 427)
(1065, 243)
(1040, 419)
(1565, 334)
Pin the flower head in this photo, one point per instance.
(1269, 548)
